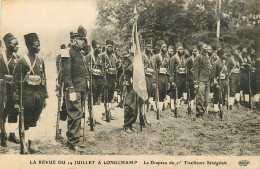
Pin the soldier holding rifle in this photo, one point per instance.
(10, 59)
(30, 89)
(161, 62)
(219, 75)
(109, 67)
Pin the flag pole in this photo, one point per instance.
(218, 6)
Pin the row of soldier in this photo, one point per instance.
(94, 76)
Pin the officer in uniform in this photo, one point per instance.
(94, 64)
(178, 72)
(219, 75)
(161, 62)
(233, 66)
(32, 69)
(149, 72)
(201, 72)
(110, 65)
(74, 76)
(10, 59)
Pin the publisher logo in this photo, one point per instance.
(243, 162)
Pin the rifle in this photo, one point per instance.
(90, 105)
(176, 96)
(107, 111)
(249, 85)
(220, 105)
(157, 93)
(188, 87)
(228, 92)
(59, 102)
(24, 149)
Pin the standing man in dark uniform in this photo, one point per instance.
(201, 72)
(149, 72)
(75, 84)
(233, 66)
(109, 64)
(244, 80)
(190, 79)
(161, 62)
(130, 109)
(10, 59)
(178, 72)
(96, 69)
(32, 68)
(219, 75)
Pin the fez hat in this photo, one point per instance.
(109, 42)
(178, 44)
(30, 38)
(171, 47)
(160, 43)
(63, 46)
(200, 44)
(8, 37)
(94, 43)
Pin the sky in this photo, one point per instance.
(52, 20)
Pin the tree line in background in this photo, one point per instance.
(178, 21)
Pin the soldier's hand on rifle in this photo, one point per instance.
(196, 86)
(17, 107)
(173, 84)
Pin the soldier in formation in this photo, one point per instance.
(32, 69)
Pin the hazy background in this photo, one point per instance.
(51, 20)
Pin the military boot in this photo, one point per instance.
(13, 138)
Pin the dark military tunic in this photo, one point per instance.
(161, 63)
(97, 75)
(74, 76)
(110, 65)
(10, 111)
(201, 74)
(244, 78)
(34, 95)
(220, 73)
(178, 73)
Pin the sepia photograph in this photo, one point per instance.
(130, 83)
